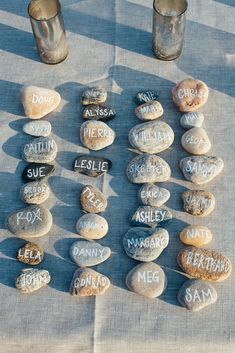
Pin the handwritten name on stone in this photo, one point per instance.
(152, 195)
(92, 166)
(31, 280)
(191, 120)
(146, 96)
(40, 150)
(92, 226)
(149, 111)
(150, 216)
(94, 95)
(35, 192)
(88, 253)
(30, 253)
(198, 202)
(93, 200)
(98, 112)
(87, 282)
(196, 235)
(96, 135)
(37, 128)
(37, 171)
(196, 141)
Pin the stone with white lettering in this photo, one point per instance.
(151, 137)
(146, 96)
(96, 135)
(190, 120)
(37, 171)
(98, 112)
(37, 128)
(145, 244)
(32, 221)
(35, 193)
(195, 295)
(190, 95)
(87, 253)
(201, 169)
(148, 168)
(93, 200)
(32, 279)
(91, 165)
(149, 111)
(87, 282)
(94, 95)
(38, 102)
(153, 195)
(198, 202)
(205, 264)
(92, 226)
(148, 280)
(39, 150)
(196, 235)
(196, 141)
(150, 216)
(31, 254)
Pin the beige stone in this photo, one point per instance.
(196, 141)
(196, 235)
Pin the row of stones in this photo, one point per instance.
(35, 220)
(202, 264)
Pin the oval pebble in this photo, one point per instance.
(153, 195)
(205, 264)
(87, 253)
(92, 226)
(150, 216)
(196, 141)
(37, 171)
(38, 128)
(32, 279)
(148, 168)
(145, 244)
(151, 137)
(146, 96)
(198, 202)
(196, 235)
(87, 282)
(91, 165)
(148, 280)
(40, 150)
(96, 135)
(35, 192)
(98, 112)
(31, 254)
(94, 95)
(149, 111)
(93, 200)
(190, 120)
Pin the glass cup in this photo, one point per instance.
(48, 29)
(169, 17)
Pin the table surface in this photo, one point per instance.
(110, 45)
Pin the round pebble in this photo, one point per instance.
(92, 226)
(32, 279)
(37, 128)
(190, 120)
(153, 195)
(96, 135)
(198, 202)
(40, 150)
(93, 200)
(94, 95)
(31, 254)
(149, 111)
(35, 192)
(196, 141)
(91, 165)
(87, 282)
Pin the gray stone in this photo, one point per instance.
(96, 135)
(195, 295)
(205, 264)
(31, 280)
(40, 150)
(35, 192)
(198, 202)
(87, 253)
(150, 216)
(152, 195)
(87, 282)
(148, 280)
(190, 120)
(151, 137)
(92, 226)
(145, 244)
(93, 200)
(30, 222)
(94, 95)
(149, 111)
(37, 128)
(196, 141)
(201, 169)
(146, 96)
(148, 168)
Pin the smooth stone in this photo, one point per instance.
(93, 200)
(195, 295)
(38, 102)
(92, 226)
(87, 282)
(37, 171)
(91, 165)
(201, 169)
(145, 244)
(39, 150)
(149, 111)
(205, 264)
(32, 279)
(196, 235)
(87, 253)
(32, 221)
(150, 216)
(148, 280)
(98, 112)
(96, 135)
(198, 202)
(151, 137)
(190, 120)
(31, 254)
(153, 195)
(148, 168)
(35, 192)
(37, 128)
(190, 95)
(146, 96)
(94, 95)
(196, 141)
